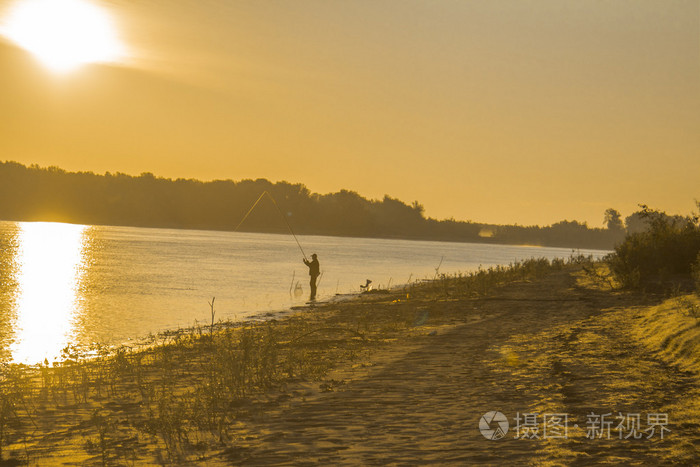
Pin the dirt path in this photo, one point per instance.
(546, 347)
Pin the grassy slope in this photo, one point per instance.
(672, 331)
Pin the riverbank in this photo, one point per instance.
(399, 377)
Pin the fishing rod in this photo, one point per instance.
(281, 214)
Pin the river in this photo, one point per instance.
(65, 284)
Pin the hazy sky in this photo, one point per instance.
(494, 111)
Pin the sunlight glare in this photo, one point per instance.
(63, 34)
(49, 261)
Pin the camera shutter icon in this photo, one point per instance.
(493, 425)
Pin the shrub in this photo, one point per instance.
(666, 250)
(696, 274)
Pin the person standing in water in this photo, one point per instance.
(314, 272)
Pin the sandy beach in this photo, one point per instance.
(389, 378)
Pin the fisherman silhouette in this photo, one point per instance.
(314, 272)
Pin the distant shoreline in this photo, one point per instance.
(53, 194)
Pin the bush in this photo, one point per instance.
(664, 252)
(696, 274)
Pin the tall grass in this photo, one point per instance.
(484, 281)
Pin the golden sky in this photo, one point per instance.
(495, 111)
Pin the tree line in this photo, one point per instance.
(33, 193)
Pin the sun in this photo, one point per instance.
(63, 34)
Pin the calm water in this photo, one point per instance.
(66, 284)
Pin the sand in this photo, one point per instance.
(409, 378)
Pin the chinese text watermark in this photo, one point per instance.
(494, 425)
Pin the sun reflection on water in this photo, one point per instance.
(48, 274)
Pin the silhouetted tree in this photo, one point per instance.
(52, 194)
(613, 220)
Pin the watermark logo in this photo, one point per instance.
(537, 426)
(493, 425)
